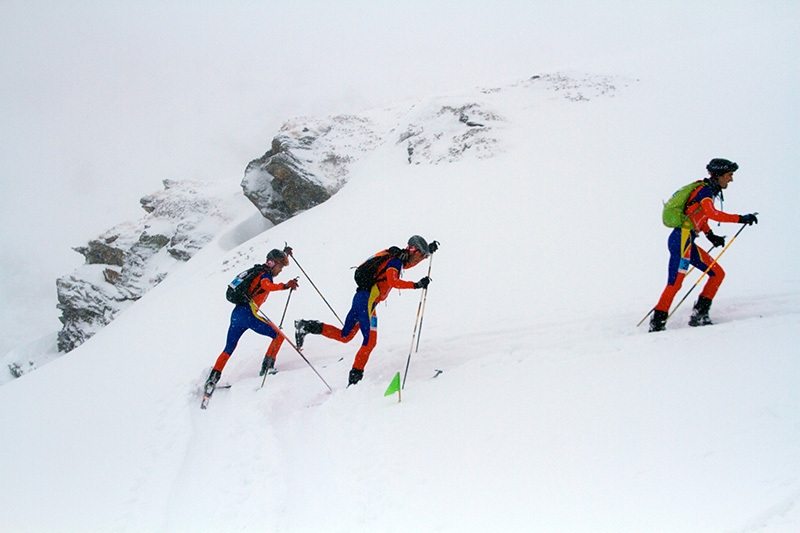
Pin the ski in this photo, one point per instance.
(206, 398)
(209, 391)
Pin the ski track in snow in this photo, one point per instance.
(277, 437)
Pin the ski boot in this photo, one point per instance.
(211, 382)
(355, 376)
(303, 328)
(209, 387)
(700, 313)
(267, 365)
(659, 321)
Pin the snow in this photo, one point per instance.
(553, 411)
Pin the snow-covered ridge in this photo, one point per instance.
(309, 161)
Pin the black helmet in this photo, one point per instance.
(277, 257)
(417, 243)
(718, 167)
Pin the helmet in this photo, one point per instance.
(277, 257)
(418, 244)
(718, 167)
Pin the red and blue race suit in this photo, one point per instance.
(244, 317)
(683, 251)
(362, 316)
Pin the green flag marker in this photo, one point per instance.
(394, 386)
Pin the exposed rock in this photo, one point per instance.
(131, 258)
(101, 252)
(85, 308)
(445, 133)
(279, 186)
(306, 164)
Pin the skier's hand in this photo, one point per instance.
(423, 283)
(287, 250)
(748, 219)
(432, 247)
(716, 240)
(291, 284)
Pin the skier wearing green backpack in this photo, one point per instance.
(688, 212)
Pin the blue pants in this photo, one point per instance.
(242, 319)
(361, 315)
(684, 252)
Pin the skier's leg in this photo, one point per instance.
(715, 276)
(679, 245)
(236, 329)
(355, 320)
(370, 340)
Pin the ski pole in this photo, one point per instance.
(316, 289)
(411, 349)
(285, 308)
(424, 301)
(714, 262)
(417, 322)
(285, 338)
(650, 312)
(280, 326)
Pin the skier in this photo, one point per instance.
(244, 317)
(363, 310)
(683, 250)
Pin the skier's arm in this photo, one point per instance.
(393, 280)
(707, 204)
(268, 286)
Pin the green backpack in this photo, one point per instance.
(673, 215)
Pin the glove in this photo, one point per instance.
(291, 284)
(423, 283)
(716, 240)
(432, 247)
(748, 219)
(287, 250)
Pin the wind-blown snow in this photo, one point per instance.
(552, 413)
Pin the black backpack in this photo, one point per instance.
(369, 272)
(238, 289)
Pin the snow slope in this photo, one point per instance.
(553, 412)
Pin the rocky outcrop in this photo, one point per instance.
(306, 164)
(278, 184)
(309, 159)
(125, 262)
(446, 132)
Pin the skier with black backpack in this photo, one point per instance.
(688, 212)
(248, 291)
(375, 278)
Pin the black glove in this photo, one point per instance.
(423, 283)
(748, 219)
(432, 247)
(716, 240)
(287, 250)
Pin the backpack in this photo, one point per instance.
(369, 272)
(239, 289)
(674, 215)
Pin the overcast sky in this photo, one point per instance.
(101, 101)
